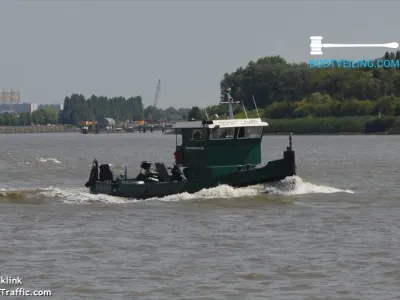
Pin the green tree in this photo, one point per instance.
(78, 109)
(194, 114)
(288, 90)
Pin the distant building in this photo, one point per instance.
(18, 108)
(8, 112)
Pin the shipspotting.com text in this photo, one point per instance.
(21, 292)
(354, 64)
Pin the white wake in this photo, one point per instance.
(54, 160)
(290, 186)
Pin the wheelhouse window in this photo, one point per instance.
(222, 133)
(249, 132)
(198, 135)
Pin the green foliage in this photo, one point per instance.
(395, 129)
(322, 105)
(169, 114)
(374, 125)
(250, 114)
(78, 109)
(295, 98)
(39, 117)
(220, 110)
(331, 125)
(195, 114)
(297, 91)
(312, 125)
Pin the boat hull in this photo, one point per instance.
(271, 172)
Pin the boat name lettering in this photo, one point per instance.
(194, 148)
(236, 122)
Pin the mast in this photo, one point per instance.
(226, 98)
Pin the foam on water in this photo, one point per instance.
(290, 186)
(54, 160)
(296, 186)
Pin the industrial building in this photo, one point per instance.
(10, 103)
(18, 108)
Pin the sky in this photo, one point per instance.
(51, 49)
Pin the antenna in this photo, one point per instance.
(254, 100)
(244, 108)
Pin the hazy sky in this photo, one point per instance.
(51, 49)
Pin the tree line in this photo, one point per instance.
(78, 109)
(289, 90)
(42, 116)
(322, 105)
(281, 90)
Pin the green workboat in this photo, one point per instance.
(213, 152)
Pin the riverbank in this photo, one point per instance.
(37, 129)
(335, 126)
(364, 125)
(333, 134)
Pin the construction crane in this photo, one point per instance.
(157, 95)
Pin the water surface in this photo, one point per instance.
(329, 233)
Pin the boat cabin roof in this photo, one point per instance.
(230, 123)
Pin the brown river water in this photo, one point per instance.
(332, 232)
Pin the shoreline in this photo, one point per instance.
(172, 133)
(285, 132)
(338, 133)
(315, 134)
(36, 129)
